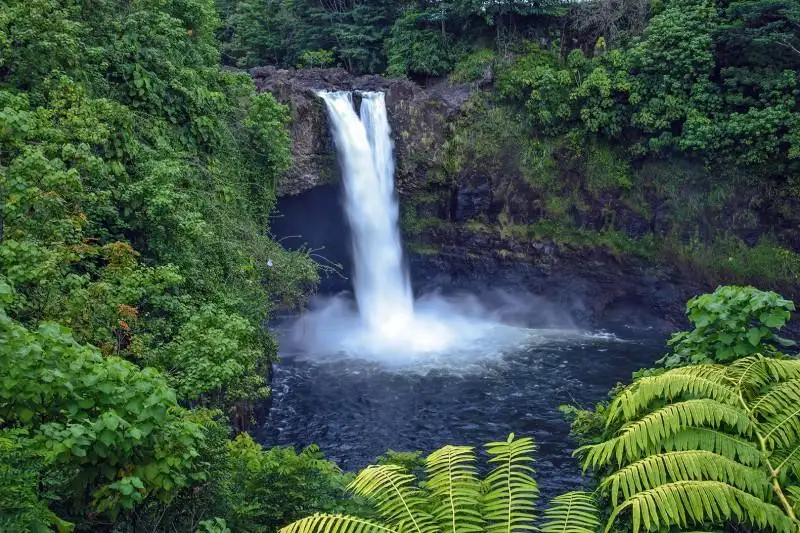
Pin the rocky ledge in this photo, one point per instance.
(591, 286)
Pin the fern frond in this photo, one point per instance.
(573, 512)
(787, 460)
(712, 440)
(661, 469)
(756, 371)
(333, 523)
(783, 428)
(399, 502)
(452, 479)
(705, 381)
(776, 399)
(646, 435)
(793, 493)
(695, 502)
(510, 504)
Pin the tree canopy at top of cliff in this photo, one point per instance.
(690, 75)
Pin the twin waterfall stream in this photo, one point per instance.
(389, 324)
(381, 282)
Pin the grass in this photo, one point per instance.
(731, 260)
(424, 249)
(614, 241)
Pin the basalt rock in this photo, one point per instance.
(418, 118)
(590, 285)
(471, 177)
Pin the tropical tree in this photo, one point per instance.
(705, 444)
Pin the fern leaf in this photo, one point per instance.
(776, 399)
(330, 523)
(573, 512)
(399, 502)
(756, 371)
(510, 503)
(793, 493)
(783, 428)
(787, 460)
(644, 436)
(706, 381)
(716, 441)
(661, 469)
(695, 502)
(452, 479)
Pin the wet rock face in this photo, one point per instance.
(418, 118)
(593, 287)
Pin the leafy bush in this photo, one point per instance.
(474, 67)
(118, 428)
(139, 185)
(23, 505)
(274, 487)
(316, 58)
(731, 323)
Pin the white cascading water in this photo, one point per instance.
(389, 325)
(364, 145)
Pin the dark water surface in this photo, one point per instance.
(356, 409)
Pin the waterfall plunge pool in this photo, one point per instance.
(355, 407)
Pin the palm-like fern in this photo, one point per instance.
(451, 499)
(707, 443)
(573, 512)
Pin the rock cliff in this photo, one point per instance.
(485, 202)
(419, 119)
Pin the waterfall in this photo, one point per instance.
(389, 326)
(381, 283)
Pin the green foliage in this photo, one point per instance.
(410, 461)
(407, 38)
(136, 184)
(474, 67)
(217, 525)
(703, 444)
(732, 259)
(572, 512)
(247, 487)
(731, 323)
(307, 33)
(415, 49)
(23, 507)
(578, 93)
(118, 428)
(272, 488)
(449, 499)
(689, 83)
(316, 58)
(613, 241)
(210, 352)
(137, 189)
